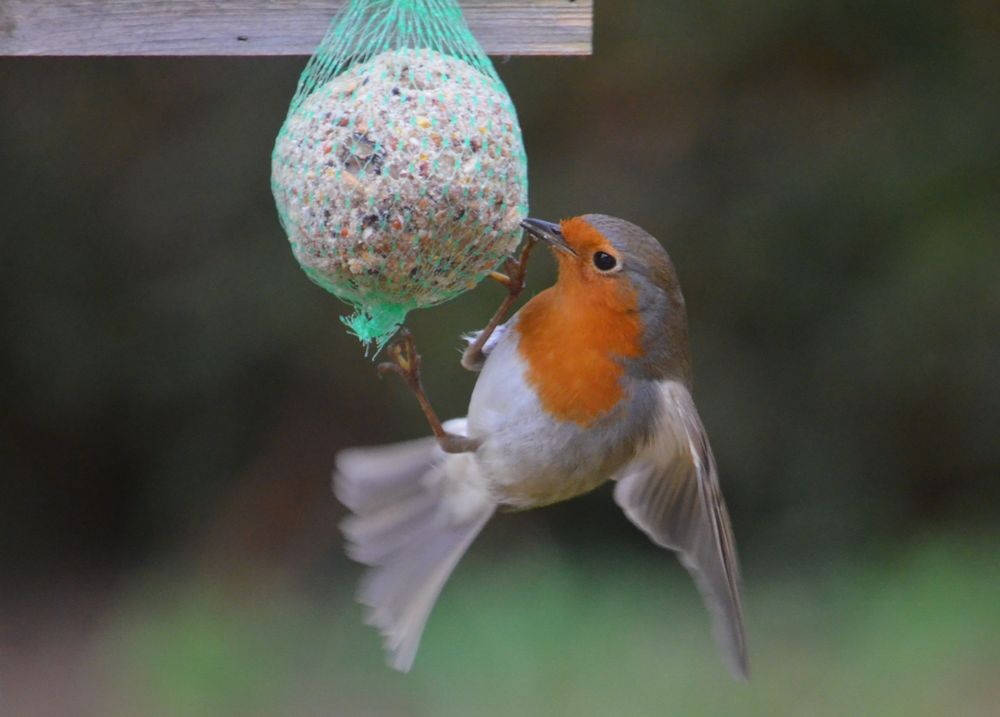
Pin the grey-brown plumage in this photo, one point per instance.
(614, 328)
(670, 490)
(648, 267)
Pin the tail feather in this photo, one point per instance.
(415, 510)
(370, 478)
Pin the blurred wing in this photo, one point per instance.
(671, 491)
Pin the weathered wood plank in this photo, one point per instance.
(262, 27)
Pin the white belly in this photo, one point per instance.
(526, 457)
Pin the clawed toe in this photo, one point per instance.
(405, 362)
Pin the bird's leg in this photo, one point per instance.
(516, 270)
(405, 361)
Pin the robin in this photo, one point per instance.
(589, 382)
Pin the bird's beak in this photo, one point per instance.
(549, 233)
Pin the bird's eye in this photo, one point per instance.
(604, 261)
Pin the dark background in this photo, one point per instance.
(173, 389)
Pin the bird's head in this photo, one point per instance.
(609, 267)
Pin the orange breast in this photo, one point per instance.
(572, 338)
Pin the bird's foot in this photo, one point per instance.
(516, 270)
(405, 362)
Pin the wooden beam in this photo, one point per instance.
(262, 27)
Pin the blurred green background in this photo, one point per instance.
(826, 176)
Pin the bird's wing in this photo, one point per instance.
(671, 491)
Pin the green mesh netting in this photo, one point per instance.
(399, 173)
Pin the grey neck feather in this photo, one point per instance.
(660, 301)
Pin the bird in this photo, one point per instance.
(589, 382)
